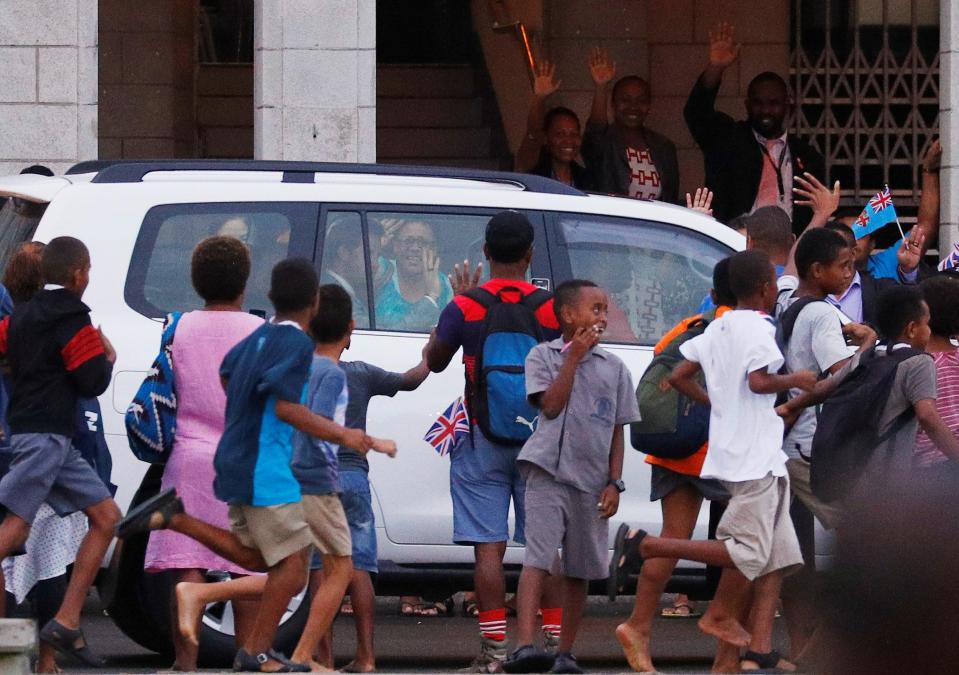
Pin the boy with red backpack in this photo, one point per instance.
(496, 324)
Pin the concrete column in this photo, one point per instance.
(949, 124)
(314, 80)
(48, 83)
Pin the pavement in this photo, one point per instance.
(443, 644)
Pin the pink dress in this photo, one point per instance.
(201, 341)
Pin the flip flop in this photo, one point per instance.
(64, 640)
(470, 608)
(351, 667)
(625, 560)
(140, 519)
(408, 608)
(768, 662)
(675, 611)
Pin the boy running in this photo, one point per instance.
(56, 357)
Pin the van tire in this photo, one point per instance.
(140, 606)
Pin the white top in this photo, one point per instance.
(644, 179)
(745, 433)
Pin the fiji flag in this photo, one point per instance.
(451, 426)
(879, 212)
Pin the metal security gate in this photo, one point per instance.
(865, 79)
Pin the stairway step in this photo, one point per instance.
(425, 81)
(429, 112)
(412, 143)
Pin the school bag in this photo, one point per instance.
(671, 426)
(847, 433)
(510, 330)
(151, 416)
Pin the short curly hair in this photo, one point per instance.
(219, 269)
(24, 274)
(942, 295)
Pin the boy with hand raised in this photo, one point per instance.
(573, 464)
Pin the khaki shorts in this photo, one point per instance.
(277, 532)
(757, 529)
(828, 514)
(327, 521)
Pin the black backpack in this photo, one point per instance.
(510, 330)
(785, 323)
(847, 433)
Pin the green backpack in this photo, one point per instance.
(672, 426)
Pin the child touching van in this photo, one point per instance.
(755, 539)
(573, 464)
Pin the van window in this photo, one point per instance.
(19, 219)
(656, 275)
(158, 281)
(414, 253)
(344, 260)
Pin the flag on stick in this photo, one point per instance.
(879, 212)
(449, 428)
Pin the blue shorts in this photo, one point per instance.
(358, 505)
(483, 479)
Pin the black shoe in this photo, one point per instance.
(565, 663)
(68, 641)
(528, 659)
(141, 519)
(625, 560)
(244, 662)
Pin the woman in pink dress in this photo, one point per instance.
(219, 270)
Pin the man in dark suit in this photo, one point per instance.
(749, 163)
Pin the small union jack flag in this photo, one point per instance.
(449, 428)
(881, 200)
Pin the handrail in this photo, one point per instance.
(503, 21)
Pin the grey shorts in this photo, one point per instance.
(828, 514)
(756, 527)
(47, 468)
(663, 481)
(560, 516)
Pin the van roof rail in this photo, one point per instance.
(127, 171)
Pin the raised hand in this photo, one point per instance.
(817, 196)
(933, 158)
(545, 82)
(583, 340)
(723, 48)
(602, 68)
(460, 279)
(910, 250)
(431, 277)
(702, 202)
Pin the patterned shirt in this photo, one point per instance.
(644, 179)
(947, 404)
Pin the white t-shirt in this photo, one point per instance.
(745, 433)
(816, 344)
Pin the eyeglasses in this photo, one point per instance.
(409, 242)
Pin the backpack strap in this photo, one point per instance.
(533, 301)
(481, 296)
(787, 320)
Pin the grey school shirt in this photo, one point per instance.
(574, 446)
(364, 381)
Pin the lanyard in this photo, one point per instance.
(777, 168)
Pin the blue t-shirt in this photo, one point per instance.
(885, 264)
(364, 381)
(253, 457)
(314, 460)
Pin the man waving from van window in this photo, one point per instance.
(496, 324)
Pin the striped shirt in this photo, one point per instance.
(947, 404)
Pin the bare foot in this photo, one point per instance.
(728, 630)
(355, 667)
(189, 609)
(635, 647)
(316, 667)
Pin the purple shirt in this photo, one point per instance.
(850, 302)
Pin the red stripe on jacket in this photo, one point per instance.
(82, 347)
(4, 328)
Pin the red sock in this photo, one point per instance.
(492, 624)
(552, 620)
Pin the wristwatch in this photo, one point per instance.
(618, 484)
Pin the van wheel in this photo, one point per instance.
(141, 604)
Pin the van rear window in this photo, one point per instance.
(19, 219)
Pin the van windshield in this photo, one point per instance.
(19, 219)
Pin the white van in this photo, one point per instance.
(141, 221)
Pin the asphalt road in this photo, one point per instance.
(443, 644)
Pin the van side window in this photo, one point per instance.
(656, 275)
(344, 260)
(158, 281)
(412, 255)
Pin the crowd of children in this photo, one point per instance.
(289, 455)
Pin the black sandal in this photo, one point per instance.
(65, 640)
(244, 662)
(768, 662)
(166, 505)
(625, 560)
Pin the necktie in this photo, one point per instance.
(768, 194)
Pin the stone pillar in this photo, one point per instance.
(314, 80)
(48, 83)
(949, 124)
